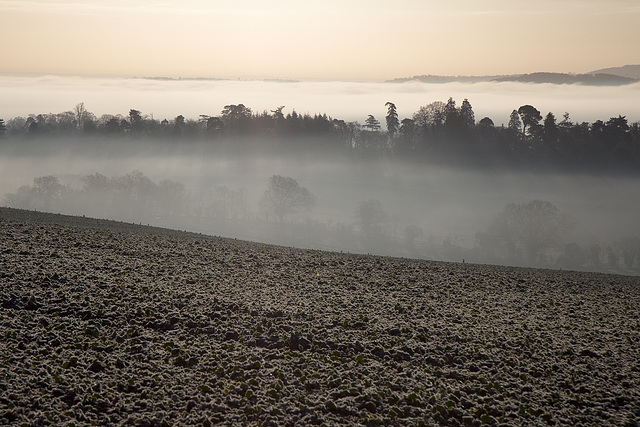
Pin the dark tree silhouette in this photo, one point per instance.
(136, 122)
(235, 112)
(236, 118)
(372, 124)
(486, 123)
(488, 134)
(392, 118)
(467, 116)
(33, 127)
(515, 124)
(616, 129)
(430, 115)
(407, 127)
(438, 132)
(550, 129)
(277, 113)
(407, 133)
(135, 116)
(81, 115)
(215, 126)
(113, 126)
(451, 114)
(530, 117)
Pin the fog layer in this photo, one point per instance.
(351, 101)
(427, 211)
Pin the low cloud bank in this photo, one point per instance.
(350, 101)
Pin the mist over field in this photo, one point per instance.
(427, 211)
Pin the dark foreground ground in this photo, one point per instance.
(109, 323)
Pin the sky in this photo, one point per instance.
(365, 40)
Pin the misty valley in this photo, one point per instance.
(439, 185)
(358, 213)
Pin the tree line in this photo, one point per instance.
(439, 132)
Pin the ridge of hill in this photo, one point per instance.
(629, 71)
(599, 78)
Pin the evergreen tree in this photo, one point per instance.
(467, 116)
(392, 118)
(451, 114)
(407, 135)
(550, 128)
(372, 124)
(135, 121)
(616, 129)
(515, 124)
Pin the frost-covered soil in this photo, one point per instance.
(109, 323)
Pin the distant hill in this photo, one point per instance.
(445, 79)
(599, 79)
(591, 79)
(629, 71)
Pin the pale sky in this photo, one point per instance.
(325, 40)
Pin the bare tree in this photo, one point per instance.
(630, 249)
(372, 218)
(48, 190)
(533, 227)
(430, 115)
(80, 113)
(171, 197)
(283, 195)
(46, 194)
(411, 234)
